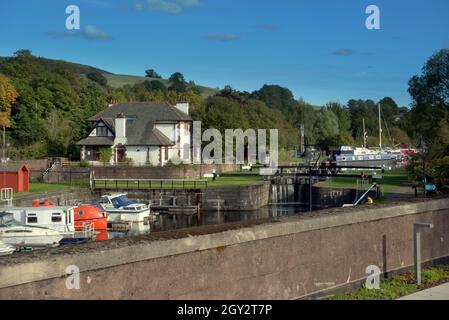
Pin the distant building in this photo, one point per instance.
(15, 176)
(143, 132)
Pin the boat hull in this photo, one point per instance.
(6, 249)
(33, 241)
(131, 216)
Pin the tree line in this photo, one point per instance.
(45, 105)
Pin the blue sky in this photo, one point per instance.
(319, 49)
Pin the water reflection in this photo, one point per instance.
(172, 222)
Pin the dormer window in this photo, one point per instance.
(102, 131)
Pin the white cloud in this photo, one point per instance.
(166, 6)
(91, 32)
(190, 3)
(88, 33)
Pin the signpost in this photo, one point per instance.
(417, 227)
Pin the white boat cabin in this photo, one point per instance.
(61, 219)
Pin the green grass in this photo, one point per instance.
(237, 179)
(39, 187)
(399, 286)
(392, 180)
(230, 179)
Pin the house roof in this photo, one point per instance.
(140, 130)
(157, 138)
(96, 141)
(12, 167)
(146, 111)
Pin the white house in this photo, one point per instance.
(145, 132)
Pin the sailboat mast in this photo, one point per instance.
(364, 134)
(380, 130)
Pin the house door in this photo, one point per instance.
(121, 154)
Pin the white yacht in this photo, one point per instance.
(14, 234)
(120, 208)
(6, 249)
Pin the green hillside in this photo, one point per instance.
(120, 80)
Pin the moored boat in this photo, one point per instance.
(86, 214)
(52, 217)
(83, 214)
(14, 234)
(120, 208)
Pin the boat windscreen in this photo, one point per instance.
(7, 219)
(121, 201)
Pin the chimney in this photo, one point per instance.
(120, 129)
(182, 106)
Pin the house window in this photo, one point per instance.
(186, 129)
(166, 154)
(102, 131)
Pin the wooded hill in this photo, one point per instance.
(55, 99)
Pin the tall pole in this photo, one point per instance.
(380, 131)
(364, 134)
(4, 144)
(310, 189)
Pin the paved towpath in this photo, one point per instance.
(436, 293)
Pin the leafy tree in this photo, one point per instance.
(177, 82)
(178, 87)
(177, 77)
(8, 96)
(105, 155)
(277, 97)
(429, 118)
(23, 53)
(430, 93)
(155, 85)
(389, 109)
(326, 128)
(151, 73)
(98, 78)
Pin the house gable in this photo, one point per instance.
(102, 129)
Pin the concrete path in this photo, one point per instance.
(437, 293)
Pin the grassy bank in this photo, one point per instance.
(235, 179)
(392, 180)
(400, 286)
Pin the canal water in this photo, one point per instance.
(173, 222)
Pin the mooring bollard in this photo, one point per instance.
(417, 246)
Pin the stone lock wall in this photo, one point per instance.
(284, 258)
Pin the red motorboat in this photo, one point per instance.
(85, 214)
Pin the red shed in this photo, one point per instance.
(15, 176)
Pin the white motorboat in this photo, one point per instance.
(120, 208)
(57, 218)
(16, 235)
(6, 249)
